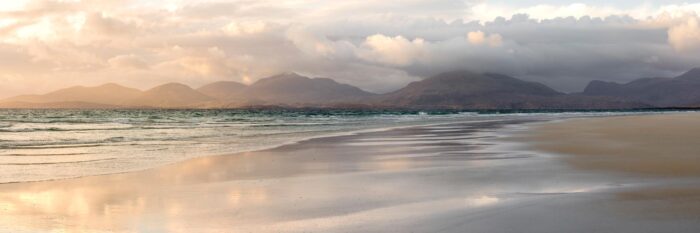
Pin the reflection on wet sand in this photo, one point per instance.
(311, 180)
(346, 183)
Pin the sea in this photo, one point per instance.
(37, 145)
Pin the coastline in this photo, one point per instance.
(272, 146)
(449, 177)
(311, 181)
(34, 150)
(133, 154)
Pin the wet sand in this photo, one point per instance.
(463, 177)
(664, 147)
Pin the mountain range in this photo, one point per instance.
(450, 90)
(681, 91)
(467, 90)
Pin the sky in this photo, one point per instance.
(378, 46)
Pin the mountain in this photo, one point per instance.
(463, 89)
(224, 90)
(455, 90)
(171, 95)
(294, 89)
(681, 91)
(107, 94)
(467, 90)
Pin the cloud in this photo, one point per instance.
(206, 63)
(130, 61)
(378, 46)
(103, 25)
(488, 11)
(685, 37)
(397, 50)
(479, 37)
(245, 28)
(311, 44)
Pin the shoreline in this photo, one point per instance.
(261, 149)
(453, 177)
(337, 133)
(327, 168)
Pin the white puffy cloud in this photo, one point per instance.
(396, 50)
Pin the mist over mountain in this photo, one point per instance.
(681, 91)
(450, 90)
(223, 90)
(55, 105)
(291, 88)
(171, 95)
(468, 90)
(106, 94)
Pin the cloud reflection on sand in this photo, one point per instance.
(482, 201)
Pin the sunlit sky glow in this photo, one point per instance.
(376, 45)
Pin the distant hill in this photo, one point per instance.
(224, 90)
(107, 94)
(453, 90)
(464, 89)
(682, 91)
(171, 95)
(468, 90)
(294, 89)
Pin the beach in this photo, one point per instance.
(663, 148)
(506, 175)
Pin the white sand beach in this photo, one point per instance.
(461, 177)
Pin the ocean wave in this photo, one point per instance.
(54, 121)
(301, 124)
(42, 155)
(57, 129)
(168, 127)
(24, 130)
(143, 139)
(47, 146)
(61, 162)
(110, 141)
(115, 139)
